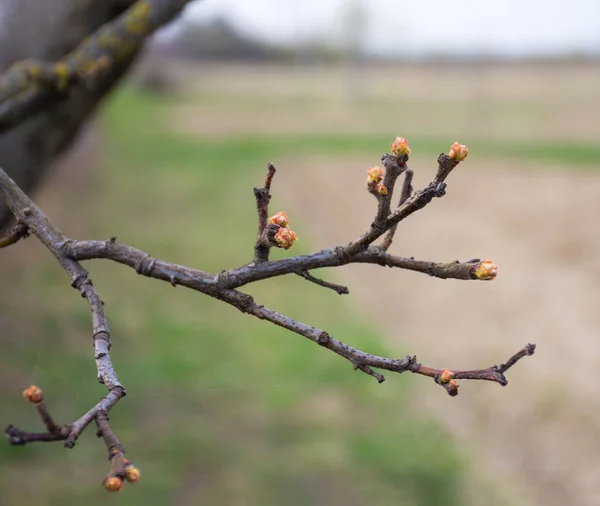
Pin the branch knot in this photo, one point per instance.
(342, 254)
(145, 266)
(323, 338)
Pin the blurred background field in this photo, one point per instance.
(226, 410)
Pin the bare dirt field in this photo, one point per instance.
(512, 101)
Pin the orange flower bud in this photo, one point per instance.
(33, 394)
(374, 175)
(113, 483)
(458, 152)
(400, 147)
(446, 376)
(132, 473)
(381, 188)
(487, 270)
(285, 238)
(279, 219)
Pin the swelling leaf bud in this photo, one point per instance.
(400, 147)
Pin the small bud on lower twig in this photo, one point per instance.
(446, 376)
(486, 271)
(280, 219)
(113, 483)
(285, 238)
(458, 152)
(132, 473)
(382, 189)
(33, 394)
(400, 147)
(452, 388)
(374, 175)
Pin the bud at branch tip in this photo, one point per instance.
(486, 271)
(400, 147)
(132, 473)
(458, 152)
(33, 394)
(113, 483)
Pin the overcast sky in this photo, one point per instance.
(396, 26)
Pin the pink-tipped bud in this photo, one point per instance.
(279, 219)
(382, 189)
(374, 175)
(458, 152)
(487, 270)
(285, 238)
(400, 147)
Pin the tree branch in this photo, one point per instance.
(339, 289)
(14, 235)
(31, 216)
(27, 85)
(394, 167)
(120, 467)
(223, 286)
(263, 239)
(406, 192)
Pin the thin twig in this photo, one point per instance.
(31, 216)
(17, 437)
(407, 189)
(418, 201)
(269, 177)
(494, 373)
(15, 234)
(263, 197)
(525, 352)
(339, 289)
(104, 405)
(116, 453)
(394, 166)
(44, 415)
(240, 276)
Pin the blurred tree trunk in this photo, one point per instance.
(47, 30)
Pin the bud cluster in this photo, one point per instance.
(401, 150)
(285, 237)
(113, 482)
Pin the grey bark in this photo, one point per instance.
(47, 30)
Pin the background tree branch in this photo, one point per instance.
(44, 121)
